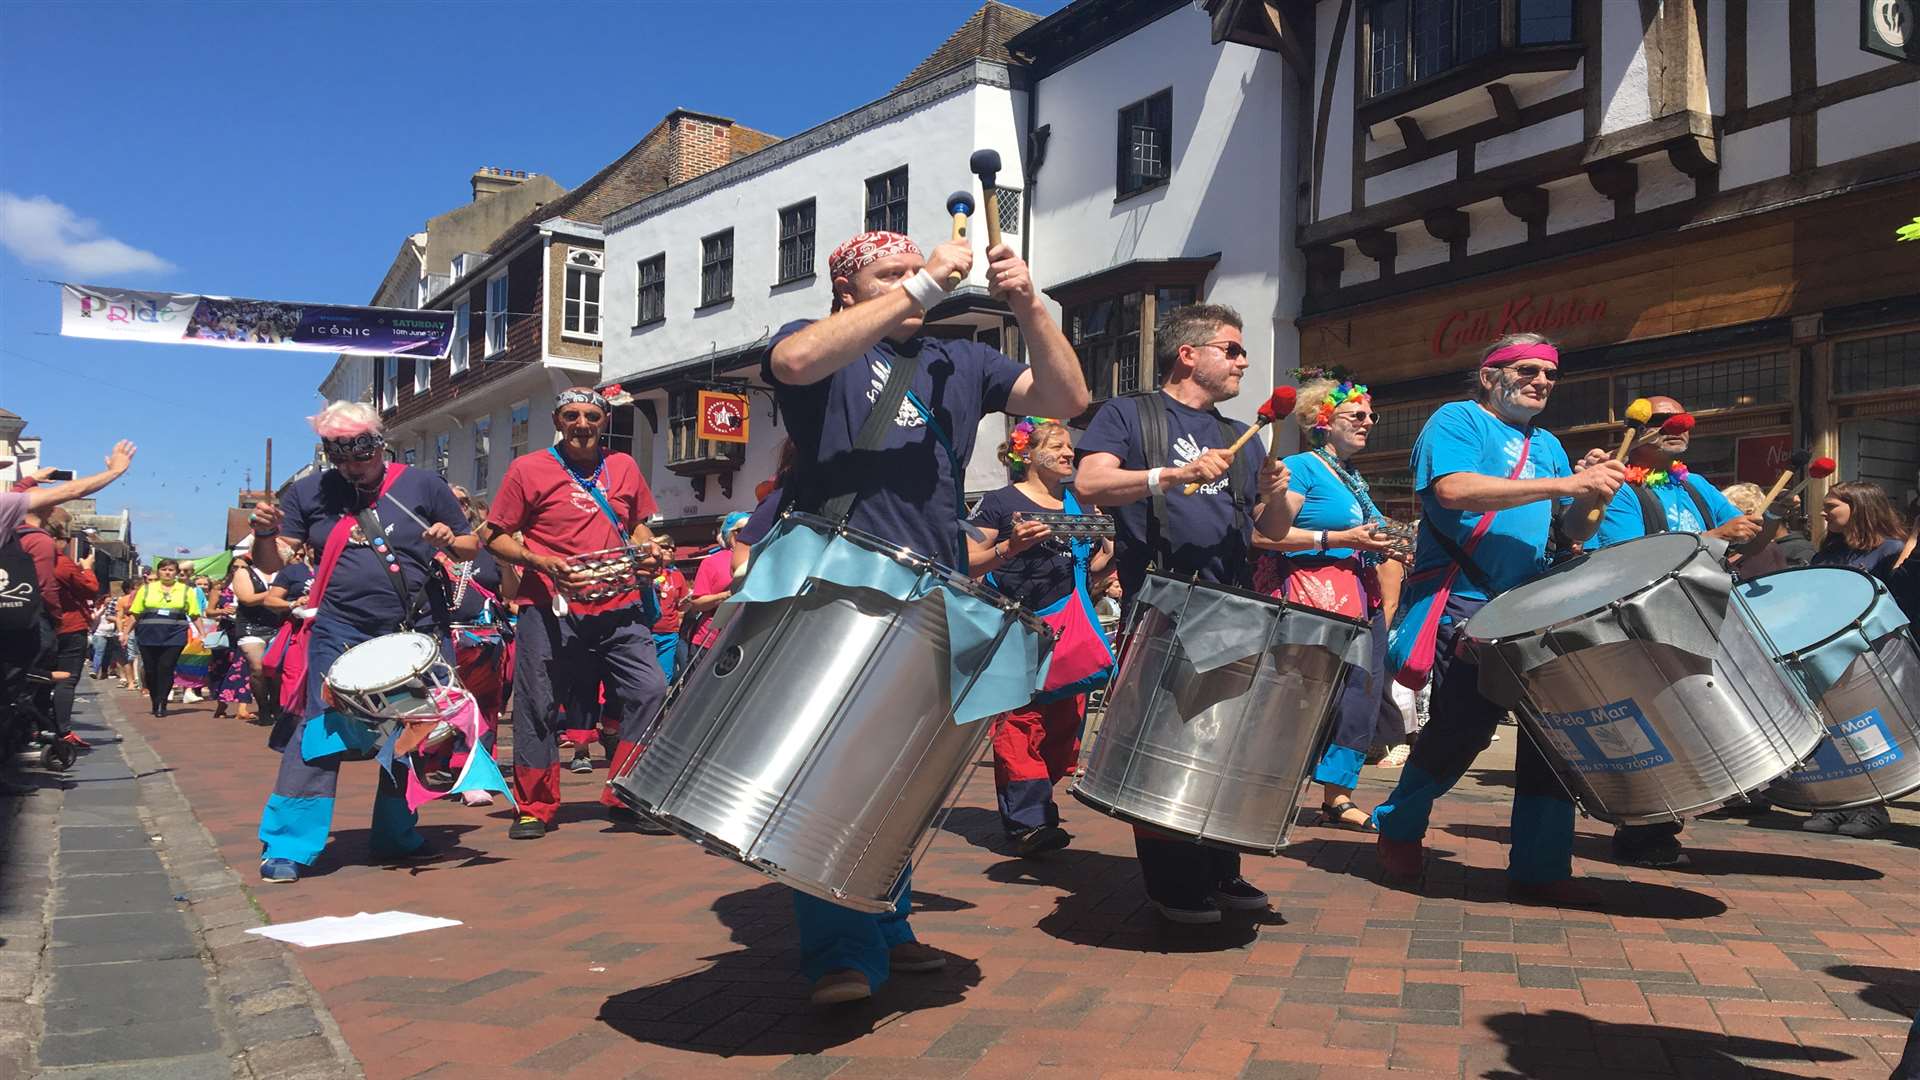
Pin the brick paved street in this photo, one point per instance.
(587, 953)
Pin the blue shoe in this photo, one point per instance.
(279, 871)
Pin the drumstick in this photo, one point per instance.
(1819, 470)
(1277, 405)
(1638, 413)
(959, 205)
(1799, 461)
(1771, 523)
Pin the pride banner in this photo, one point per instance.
(189, 319)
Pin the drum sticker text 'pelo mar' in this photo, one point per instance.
(1852, 747)
(1610, 739)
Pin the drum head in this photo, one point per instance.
(382, 662)
(1583, 586)
(1803, 607)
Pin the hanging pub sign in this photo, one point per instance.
(1890, 28)
(190, 319)
(723, 416)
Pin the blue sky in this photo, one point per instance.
(283, 150)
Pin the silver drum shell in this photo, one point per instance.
(1885, 680)
(1218, 757)
(1682, 650)
(814, 742)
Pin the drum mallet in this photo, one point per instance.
(1771, 522)
(960, 205)
(1671, 426)
(1638, 413)
(1279, 404)
(986, 165)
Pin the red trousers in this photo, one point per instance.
(1034, 746)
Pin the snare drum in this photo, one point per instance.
(845, 694)
(392, 679)
(1840, 634)
(1639, 671)
(1222, 702)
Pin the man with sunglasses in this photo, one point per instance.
(1660, 495)
(1475, 458)
(577, 630)
(362, 599)
(1138, 456)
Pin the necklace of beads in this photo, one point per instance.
(1358, 485)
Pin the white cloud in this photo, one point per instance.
(45, 233)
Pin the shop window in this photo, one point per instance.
(1395, 427)
(1883, 450)
(517, 429)
(440, 442)
(1877, 363)
(1106, 334)
(1578, 403)
(1738, 383)
(1409, 41)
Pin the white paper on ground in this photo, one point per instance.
(340, 929)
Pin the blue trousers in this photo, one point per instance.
(1461, 726)
(299, 814)
(835, 938)
(1357, 717)
(667, 648)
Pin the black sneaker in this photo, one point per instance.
(628, 818)
(1239, 894)
(1040, 840)
(526, 827)
(1663, 855)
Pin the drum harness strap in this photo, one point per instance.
(410, 603)
(1151, 414)
(1653, 514)
(904, 366)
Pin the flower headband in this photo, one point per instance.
(1344, 391)
(1020, 441)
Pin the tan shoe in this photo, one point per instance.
(841, 987)
(915, 957)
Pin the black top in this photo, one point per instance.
(1038, 576)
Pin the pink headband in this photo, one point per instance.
(867, 248)
(1538, 350)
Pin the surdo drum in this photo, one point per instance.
(395, 679)
(1840, 634)
(847, 691)
(1222, 701)
(1641, 673)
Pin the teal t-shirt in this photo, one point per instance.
(1327, 502)
(1463, 437)
(1623, 520)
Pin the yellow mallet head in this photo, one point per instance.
(1640, 411)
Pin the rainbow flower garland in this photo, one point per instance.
(1346, 391)
(1672, 474)
(1020, 440)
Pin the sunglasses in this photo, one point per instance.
(1530, 372)
(1362, 417)
(575, 416)
(361, 447)
(1233, 349)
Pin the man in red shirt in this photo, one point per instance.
(72, 607)
(572, 505)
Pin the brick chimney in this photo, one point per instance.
(697, 143)
(489, 179)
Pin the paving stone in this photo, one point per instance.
(72, 864)
(193, 1067)
(115, 894)
(114, 838)
(130, 1042)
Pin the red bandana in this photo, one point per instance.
(865, 249)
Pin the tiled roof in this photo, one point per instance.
(984, 35)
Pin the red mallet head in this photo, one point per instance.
(1821, 468)
(1279, 405)
(1677, 425)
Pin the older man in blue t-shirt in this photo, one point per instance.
(827, 376)
(1477, 458)
(1660, 495)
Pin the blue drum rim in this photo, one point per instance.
(1879, 593)
(1568, 567)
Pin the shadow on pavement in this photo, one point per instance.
(1894, 989)
(1704, 860)
(1544, 1045)
(753, 1001)
(1445, 879)
(349, 848)
(1899, 833)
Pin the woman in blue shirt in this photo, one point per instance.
(1337, 559)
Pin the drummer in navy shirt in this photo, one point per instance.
(419, 515)
(826, 376)
(1208, 534)
(1466, 463)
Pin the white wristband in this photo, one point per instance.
(1153, 481)
(925, 291)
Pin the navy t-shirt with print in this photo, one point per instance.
(1199, 532)
(358, 591)
(908, 491)
(296, 578)
(1038, 576)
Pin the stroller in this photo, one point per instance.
(26, 717)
